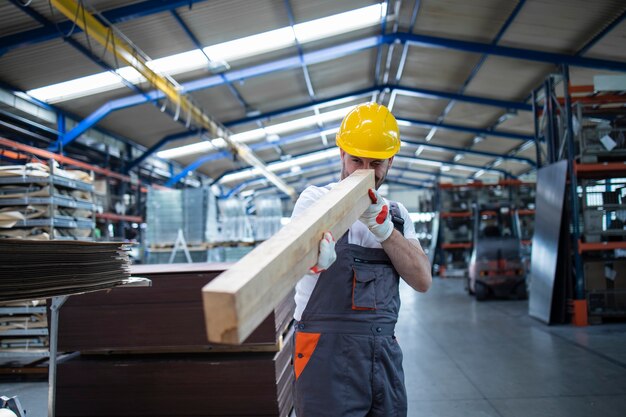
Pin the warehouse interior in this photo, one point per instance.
(178, 134)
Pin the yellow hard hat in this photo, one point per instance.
(369, 131)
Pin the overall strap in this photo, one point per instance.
(396, 217)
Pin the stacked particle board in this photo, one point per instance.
(147, 349)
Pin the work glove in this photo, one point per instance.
(377, 217)
(327, 254)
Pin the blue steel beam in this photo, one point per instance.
(509, 52)
(588, 45)
(262, 117)
(471, 151)
(263, 146)
(305, 70)
(405, 181)
(379, 49)
(479, 64)
(485, 101)
(392, 179)
(469, 129)
(299, 108)
(313, 167)
(452, 164)
(619, 19)
(314, 177)
(217, 80)
(309, 168)
(166, 139)
(354, 47)
(76, 45)
(285, 140)
(199, 46)
(421, 171)
(212, 81)
(117, 15)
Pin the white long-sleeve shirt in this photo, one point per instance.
(358, 234)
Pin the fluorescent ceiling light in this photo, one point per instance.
(278, 166)
(257, 134)
(227, 51)
(416, 161)
(526, 145)
(199, 147)
(339, 23)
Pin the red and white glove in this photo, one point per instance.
(377, 217)
(327, 254)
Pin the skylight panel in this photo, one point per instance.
(227, 51)
(256, 134)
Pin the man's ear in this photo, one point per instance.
(391, 161)
(342, 153)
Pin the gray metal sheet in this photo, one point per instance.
(548, 214)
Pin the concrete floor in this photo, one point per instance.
(468, 358)
(464, 358)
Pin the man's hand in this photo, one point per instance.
(377, 217)
(327, 254)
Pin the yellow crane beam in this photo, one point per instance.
(122, 49)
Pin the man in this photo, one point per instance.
(347, 362)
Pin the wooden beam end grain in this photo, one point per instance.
(220, 316)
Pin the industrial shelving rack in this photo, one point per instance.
(58, 196)
(588, 131)
(455, 229)
(602, 243)
(455, 245)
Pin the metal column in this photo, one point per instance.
(580, 283)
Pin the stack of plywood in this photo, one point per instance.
(144, 352)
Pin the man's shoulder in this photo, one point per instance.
(315, 191)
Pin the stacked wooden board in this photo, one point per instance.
(144, 352)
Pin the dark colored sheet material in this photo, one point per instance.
(549, 213)
(251, 384)
(39, 269)
(168, 316)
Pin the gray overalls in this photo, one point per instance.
(347, 361)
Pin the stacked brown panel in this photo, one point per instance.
(145, 353)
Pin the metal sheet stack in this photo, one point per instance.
(31, 269)
(164, 215)
(171, 213)
(195, 216)
(147, 349)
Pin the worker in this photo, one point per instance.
(347, 361)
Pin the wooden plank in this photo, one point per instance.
(238, 300)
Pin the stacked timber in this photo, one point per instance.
(147, 349)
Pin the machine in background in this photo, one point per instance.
(496, 265)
